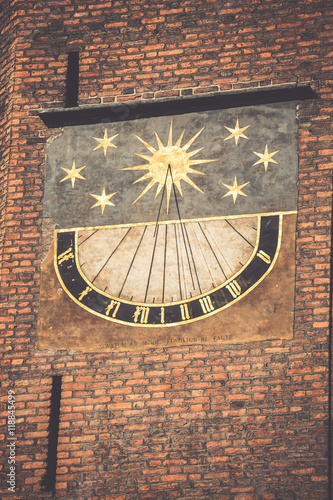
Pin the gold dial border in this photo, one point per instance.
(176, 221)
(179, 302)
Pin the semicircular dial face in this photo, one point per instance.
(177, 262)
(184, 272)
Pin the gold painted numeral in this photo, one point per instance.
(162, 315)
(68, 254)
(84, 292)
(113, 304)
(142, 314)
(263, 256)
(206, 304)
(184, 312)
(234, 289)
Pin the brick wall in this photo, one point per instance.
(6, 76)
(243, 422)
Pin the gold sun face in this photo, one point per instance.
(168, 165)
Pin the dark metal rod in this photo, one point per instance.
(49, 480)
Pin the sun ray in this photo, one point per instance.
(169, 187)
(146, 189)
(192, 153)
(177, 184)
(148, 146)
(193, 171)
(158, 190)
(159, 142)
(180, 139)
(144, 157)
(191, 141)
(143, 178)
(189, 181)
(198, 162)
(170, 136)
(139, 167)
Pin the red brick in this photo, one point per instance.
(181, 414)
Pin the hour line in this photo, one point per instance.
(240, 234)
(217, 260)
(107, 260)
(203, 255)
(131, 264)
(164, 262)
(150, 269)
(178, 264)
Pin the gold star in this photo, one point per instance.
(105, 142)
(236, 132)
(235, 190)
(73, 173)
(265, 158)
(103, 200)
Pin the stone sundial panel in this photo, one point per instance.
(171, 230)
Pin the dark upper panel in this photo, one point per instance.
(223, 162)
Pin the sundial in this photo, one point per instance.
(165, 223)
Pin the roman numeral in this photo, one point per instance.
(206, 304)
(234, 288)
